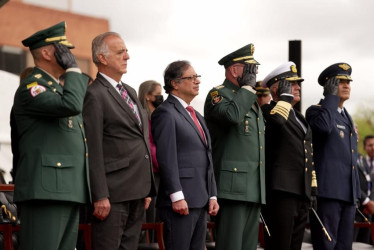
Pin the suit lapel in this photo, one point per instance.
(117, 97)
(138, 104)
(178, 106)
(349, 118)
(294, 122)
(205, 128)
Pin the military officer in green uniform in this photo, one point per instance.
(52, 176)
(237, 129)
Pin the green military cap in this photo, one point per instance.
(242, 55)
(53, 34)
(260, 90)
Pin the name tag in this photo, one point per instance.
(340, 126)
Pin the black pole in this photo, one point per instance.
(294, 55)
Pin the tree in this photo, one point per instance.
(364, 119)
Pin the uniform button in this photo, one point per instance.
(246, 122)
(353, 167)
(304, 141)
(58, 164)
(258, 118)
(351, 134)
(260, 147)
(260, 163)
(353, 150)
(312, 163)
(306, 160)
(85, 139)
(54, 90)
(146, 156)
(86, 154)
(50, 83)
(80, 125)
(259, 133)
(306, 151)
(311, 145)
(306, 169)
(235, 170)
(311, 154)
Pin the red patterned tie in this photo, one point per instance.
(193, 114)
(129, 102)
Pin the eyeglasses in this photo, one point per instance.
(194, 77)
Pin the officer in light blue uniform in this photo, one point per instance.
(335, 156)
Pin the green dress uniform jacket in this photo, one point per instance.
(237, 128)
(52, 161)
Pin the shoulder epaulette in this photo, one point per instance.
(219, 86)
(282, 108)
(38, 76)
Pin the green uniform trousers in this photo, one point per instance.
(51, 225)
(237, 225)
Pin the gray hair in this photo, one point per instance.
(99, 46)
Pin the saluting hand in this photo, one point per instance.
(331, 86)
(180, 207)
(64, 57)
(102, 209)
(213, 207)
(249, 76)
(284, 91)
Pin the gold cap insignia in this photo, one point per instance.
(252, 48)
(37, 76)
(293, 69)
(344, 66)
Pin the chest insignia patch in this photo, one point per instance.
(340, 126)
(36, 90)
(217, 99)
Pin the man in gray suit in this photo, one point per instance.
(119, 155)
(184, 154)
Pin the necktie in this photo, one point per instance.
(344, 115)
(129, 102)
(300, 122)
(193, 114)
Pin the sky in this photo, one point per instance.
(158, 32)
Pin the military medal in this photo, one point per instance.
(341, 134)
(70, 122)
(246, 127)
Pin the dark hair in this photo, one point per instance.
(368, 137)
(173, 71)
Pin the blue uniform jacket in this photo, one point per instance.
(335, 151)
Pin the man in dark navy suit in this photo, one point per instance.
(335, 156)
(184, 154)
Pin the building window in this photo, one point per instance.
(12, 59)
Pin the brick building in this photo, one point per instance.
(19, 20)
